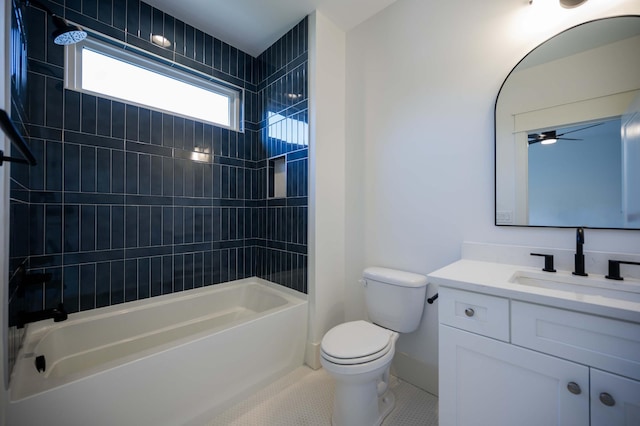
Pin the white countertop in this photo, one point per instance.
(494, 279)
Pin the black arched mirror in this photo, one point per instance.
(567, 130)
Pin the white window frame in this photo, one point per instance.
(73, 77)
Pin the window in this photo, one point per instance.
(104, 70)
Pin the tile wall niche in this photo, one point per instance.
(115, 211)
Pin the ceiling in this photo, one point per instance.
(254, 25)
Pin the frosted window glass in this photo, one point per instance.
(115, 78)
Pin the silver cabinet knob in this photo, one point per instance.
(574, 388)
(469, 312)
(607, 399)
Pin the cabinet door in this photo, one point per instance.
(615, 400)
(484, 382)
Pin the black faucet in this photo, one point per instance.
(58, 314)
(614, 269)
(579, 256)
(548, 261)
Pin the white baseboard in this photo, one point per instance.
(416, 372)
(312, 355)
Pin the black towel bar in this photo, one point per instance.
(10, 130)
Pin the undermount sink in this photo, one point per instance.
(592, 285)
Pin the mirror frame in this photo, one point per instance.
(495, 137)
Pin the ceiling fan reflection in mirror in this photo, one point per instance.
(552, 136)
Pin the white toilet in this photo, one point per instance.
(358, 354)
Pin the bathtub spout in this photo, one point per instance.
(58, 314)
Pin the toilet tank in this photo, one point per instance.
(395, 299)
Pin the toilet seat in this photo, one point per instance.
(356, 342)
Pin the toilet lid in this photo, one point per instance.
(356, 340)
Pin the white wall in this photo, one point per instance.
(327, 180)
(422, 79)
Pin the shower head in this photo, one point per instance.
(65, 33)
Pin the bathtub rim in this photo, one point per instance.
(44, 326)
(39, 330)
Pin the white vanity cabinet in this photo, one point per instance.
(487, 382)
(615, 400)
(508, 362)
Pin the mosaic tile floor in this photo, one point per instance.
(304, 397)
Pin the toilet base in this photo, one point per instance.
(386, 404)
(363, 399)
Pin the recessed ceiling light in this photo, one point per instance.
(160, 40)
(571, 3)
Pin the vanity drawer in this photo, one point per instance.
(605, 343)
(474, 312)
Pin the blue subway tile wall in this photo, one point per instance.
(284, 131)
(117, 210)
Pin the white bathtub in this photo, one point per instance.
(169, 360)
